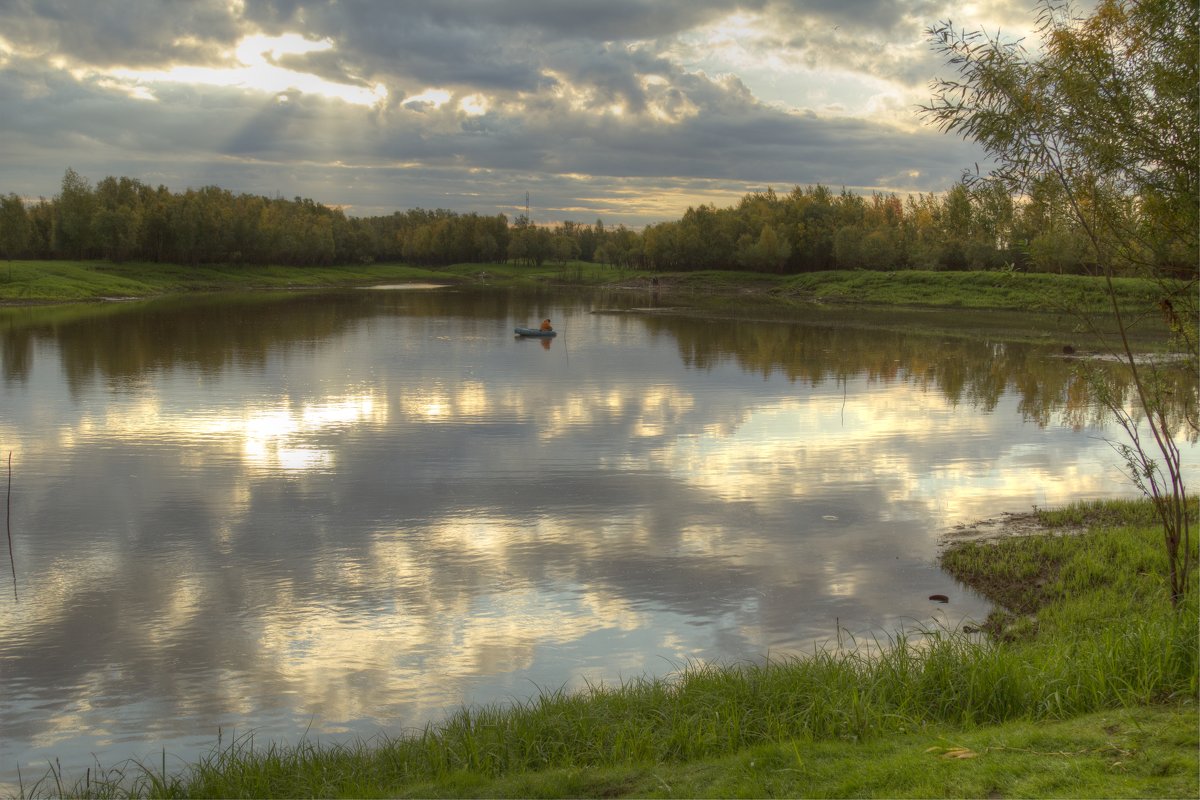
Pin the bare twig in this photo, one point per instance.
(8, 519)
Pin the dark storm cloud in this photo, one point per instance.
(584, 104)
(84, 119)
(489, 46)
(261, 143)
(412, 52)
(602, 20)
(122, 32)
(872, 14)
(731, 136)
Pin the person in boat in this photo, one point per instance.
(546, 325)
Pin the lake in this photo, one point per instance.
(352, 512)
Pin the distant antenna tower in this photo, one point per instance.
(527, 208)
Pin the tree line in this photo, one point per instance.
(809, 228)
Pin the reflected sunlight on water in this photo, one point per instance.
(353, 512)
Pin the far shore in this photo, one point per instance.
(43, 282)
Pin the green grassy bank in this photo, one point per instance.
(1088, 688)
(68, 281)
(71, 281)
(992, 290)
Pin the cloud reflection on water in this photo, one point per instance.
(342, 513)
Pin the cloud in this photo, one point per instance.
(858, 14)
(348, 523)
(124, 32)
(456, 103)
(597, 20)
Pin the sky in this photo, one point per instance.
(629, 111)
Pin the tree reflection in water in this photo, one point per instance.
(354, 510)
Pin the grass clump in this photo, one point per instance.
(1104, 514)
(996, 289)
(1067, 578)
(1096, 697)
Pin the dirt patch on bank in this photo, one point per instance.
(1019, 582)
(1005, 526)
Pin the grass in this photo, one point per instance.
(1113, 573)
(70, 281)
(1140, 752)
(1086, 684)
(990, 290)
(67, 281)
(1104, 514)
(1096, 696)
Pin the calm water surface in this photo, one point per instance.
(354, 512)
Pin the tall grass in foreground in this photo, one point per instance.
(1105, 636)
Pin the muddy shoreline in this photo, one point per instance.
(1005, 526)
